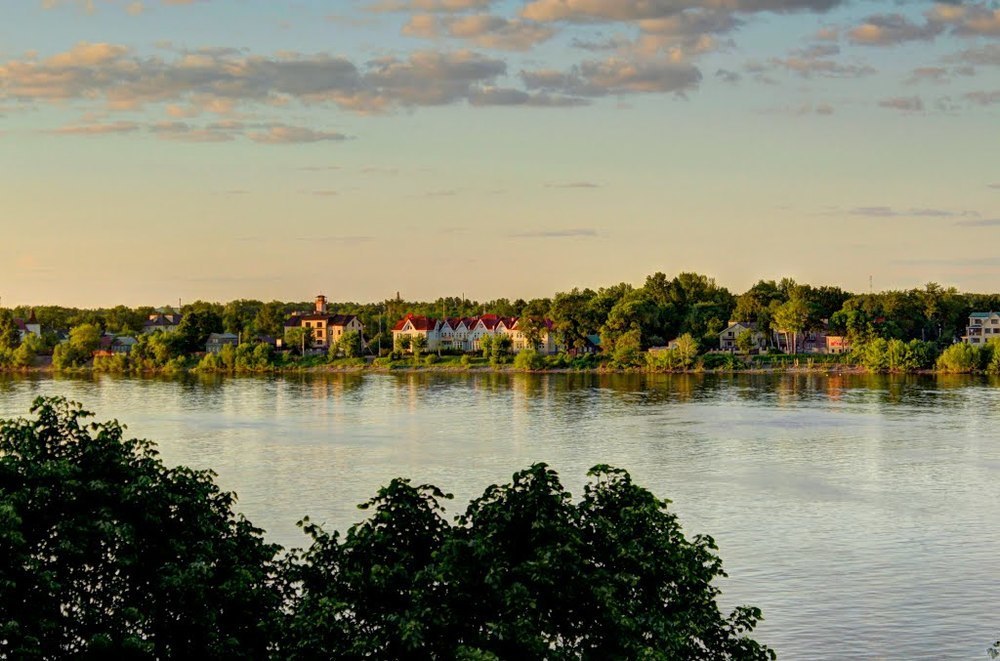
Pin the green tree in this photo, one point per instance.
(745, 342)
(500, 345)
(299, 338)
(348, 346)
(10, 334)
(417, 345)
(573, 317)
(687, 350)
(196, 326)
(107, 553)
(366, 595)
(627, 348)
(524, 574)
(792, 317)
(270, 319)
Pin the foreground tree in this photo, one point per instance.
(526, 574)
(107, 553)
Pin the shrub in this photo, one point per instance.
(960, 358)
(528, 359)
(430, 359)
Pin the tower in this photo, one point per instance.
(321, 304)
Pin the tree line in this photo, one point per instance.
(105, 552)
(628, 319)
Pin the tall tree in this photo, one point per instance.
(10, 335)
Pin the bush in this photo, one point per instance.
(959, 358)
(430, 359)
(528, 359)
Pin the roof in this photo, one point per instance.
(418, 323)
(20, 324)
(983, 314)
(750, 325)
(158, 320)
(223, 337)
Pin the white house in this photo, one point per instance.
(983, 327)
(466, 333)
(727, 338)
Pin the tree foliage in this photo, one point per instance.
(10, 335)
(525, 573)
(107, 553)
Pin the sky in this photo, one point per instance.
(156, 150)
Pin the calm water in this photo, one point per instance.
(860, 513)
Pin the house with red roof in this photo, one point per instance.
(466, 333)
(326, 328)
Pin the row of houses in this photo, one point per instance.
(467, 333)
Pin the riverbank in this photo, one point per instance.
(402, 368)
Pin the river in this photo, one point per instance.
(860, 513)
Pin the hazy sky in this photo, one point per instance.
(216, 149)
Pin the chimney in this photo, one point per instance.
(321, 304)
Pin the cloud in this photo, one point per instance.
(284, 135)
(979, 222)
(184, 132)
(444, 6)
(997, 185)
(615, 76)
(903, 103)
(929, 74)
(890, 212)
(484, 30)
(342, 240)
(892, 29)
(588, 11)
(227, 131)
(97, 129)
(968, 19)
(610, 43)
(988, 55)
(574, 184)
(222, 78)
(556, 234)
(321, 193)
(505, 96)
(726, 76)
(983, 98)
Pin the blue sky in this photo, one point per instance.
(217, 149)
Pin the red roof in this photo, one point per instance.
(418, 323)
(490, 321)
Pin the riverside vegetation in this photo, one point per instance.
(892, 331)
(108, 553)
